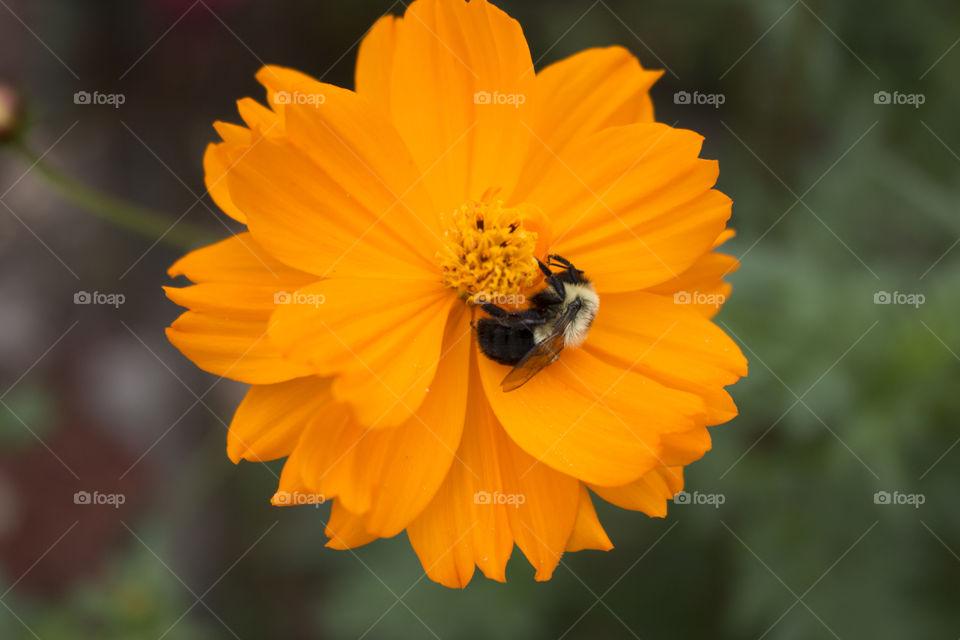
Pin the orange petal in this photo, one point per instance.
(350, 164)
(346, 530)
(543, 522)
(457, 531)
(448, 58)
(682, 448)
(375, 60)
(225, 333)
(235, 348)
(280, 83)
(230, 300)
(649, 494)
(382, 339)
(260, 118)
(599, 423)
(321, 223)
(670, 343)
(326, 457)
(390, 475)
(216, 164)
(233, 133)
(581, 95)
(493, 495)
(293, 490)
(272, 417)
(237, 280)
(239, 259)
(291, 478)
(702, 283)
(217, 161)
(633, 205)
(588, 533)
(354, 144)
(405, 466)
(725, 235)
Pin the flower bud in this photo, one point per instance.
(10, 113)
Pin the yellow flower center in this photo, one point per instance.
(490, 250)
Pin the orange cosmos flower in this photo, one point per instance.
(377, 219)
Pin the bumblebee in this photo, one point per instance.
(559, 316)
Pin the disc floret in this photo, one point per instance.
(488, 253)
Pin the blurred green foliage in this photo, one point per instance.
(844, 398)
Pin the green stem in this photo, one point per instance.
(119, 212)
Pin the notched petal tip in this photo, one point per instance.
(235, 453)
(176, 269)
(274, 75)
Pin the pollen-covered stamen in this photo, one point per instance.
(488, 250)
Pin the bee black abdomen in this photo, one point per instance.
(506, 345)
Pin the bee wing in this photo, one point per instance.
(545, 352)
(536, 359)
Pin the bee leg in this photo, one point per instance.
(560, 261)
(558, 286)
(545, 268)
(530, 317)
(494, 310)
(552, 278)
(519, 320)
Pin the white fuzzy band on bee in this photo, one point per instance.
(576, 332)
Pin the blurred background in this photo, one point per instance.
(836, 129)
